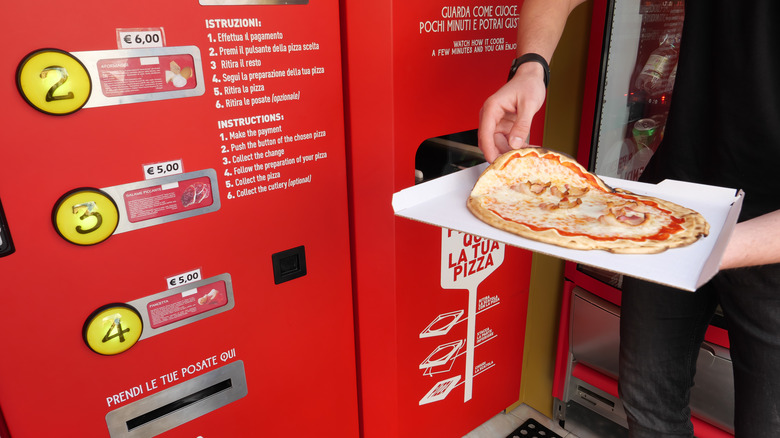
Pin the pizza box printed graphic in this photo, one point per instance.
(442, 202)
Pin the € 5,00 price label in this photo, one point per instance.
(167, 168)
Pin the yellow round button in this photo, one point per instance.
(112, 329)
(53, 81)
(85, 216)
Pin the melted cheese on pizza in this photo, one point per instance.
(589, 218)
(544, 194)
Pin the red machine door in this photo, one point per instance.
(175, 255)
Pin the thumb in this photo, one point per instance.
(519, 132)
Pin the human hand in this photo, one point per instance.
(505, 117)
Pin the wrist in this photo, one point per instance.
(531, 62)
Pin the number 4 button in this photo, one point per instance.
(112, 329)
(53, 82)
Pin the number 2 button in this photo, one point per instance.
(53, 82)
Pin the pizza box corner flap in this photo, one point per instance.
(696, 189)
(711, 265)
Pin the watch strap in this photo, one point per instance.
(531, 57)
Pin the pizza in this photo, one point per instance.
(548, 197)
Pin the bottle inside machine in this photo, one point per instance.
(658, 67)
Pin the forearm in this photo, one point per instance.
(754, 242)
(506, 116)
(541, 24)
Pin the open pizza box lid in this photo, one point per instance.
(442, 202)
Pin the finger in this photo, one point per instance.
(502, 143)
(519, 132)
(500, 137)
(526, 109)
(486, 134)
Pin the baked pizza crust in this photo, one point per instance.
(542, 166)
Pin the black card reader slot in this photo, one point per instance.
(289, 265)
(178, 404)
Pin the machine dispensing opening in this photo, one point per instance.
(178, 404)
(439, 156)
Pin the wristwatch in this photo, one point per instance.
(531, 57)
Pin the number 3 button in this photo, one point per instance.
(53, 81)
(85, 216)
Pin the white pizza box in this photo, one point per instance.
(442, 202)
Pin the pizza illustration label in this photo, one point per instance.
(186, 304)
(141, 75)
(163, 200)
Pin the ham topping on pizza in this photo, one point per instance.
(631, 213)
(569, 196)
(529, 188)
(569, 191)
(564, 203)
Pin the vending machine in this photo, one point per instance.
(629, 80)
(440, 314)
(174, 234)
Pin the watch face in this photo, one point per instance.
(513, 69)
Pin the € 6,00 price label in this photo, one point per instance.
(138, 38)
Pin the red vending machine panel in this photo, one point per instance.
(174, 249)
(441, 315)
